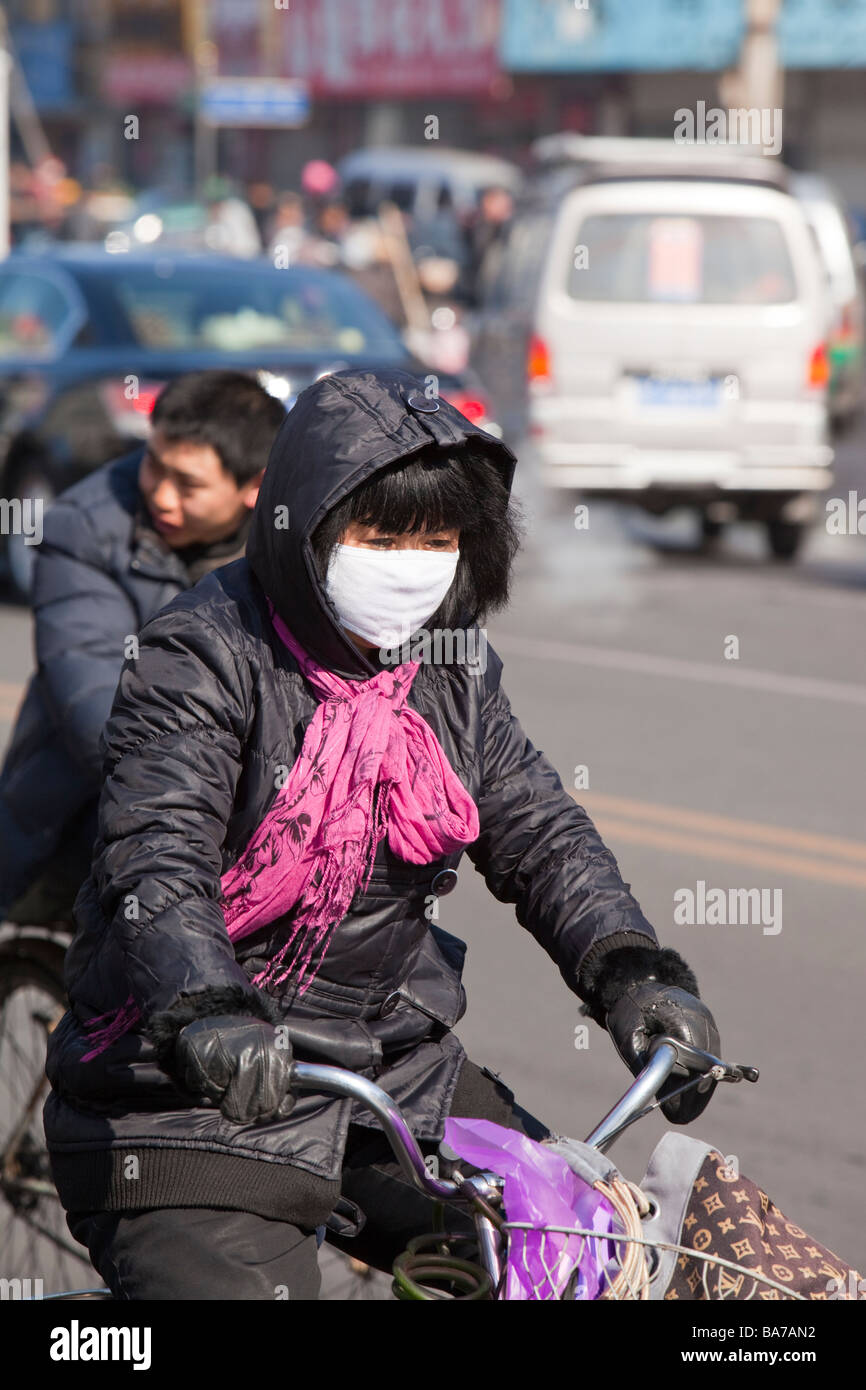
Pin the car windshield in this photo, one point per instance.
(173, 306)
(647, 258)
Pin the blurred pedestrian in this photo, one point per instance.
(330, 231)
(486, 235)
(287, 230)
(231, 227)
(261, 199)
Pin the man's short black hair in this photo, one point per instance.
(230, 411)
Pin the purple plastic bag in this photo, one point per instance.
(540, 1187)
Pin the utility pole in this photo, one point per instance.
(270, 38)
(758, 80)
(205, 60)
(29, 126)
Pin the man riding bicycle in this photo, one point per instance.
(117, 546)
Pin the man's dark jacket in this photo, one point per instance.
(203, 726)
(101, 572)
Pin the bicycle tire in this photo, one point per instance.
(34, 1237)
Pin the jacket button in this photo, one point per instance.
(389, 1005)
(444, 882)
(423, 404)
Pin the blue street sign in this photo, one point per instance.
(254, 101)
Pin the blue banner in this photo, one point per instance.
(45, 54)
(666, 35)
(619, 35)
(823, 33)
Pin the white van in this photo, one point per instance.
(679, 351)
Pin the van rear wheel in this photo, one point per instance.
(784, 538)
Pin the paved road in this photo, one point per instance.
(741, 773)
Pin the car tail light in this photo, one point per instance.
(472, 407)
(819, 367)
(538, 360)
(129, 403)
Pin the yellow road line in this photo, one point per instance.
(708, 847)
(794, 864)
(725, 826)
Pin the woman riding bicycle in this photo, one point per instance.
(287, 790)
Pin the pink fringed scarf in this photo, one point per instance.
(369, 766)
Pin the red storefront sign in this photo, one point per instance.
(367, 48)
(145, 77)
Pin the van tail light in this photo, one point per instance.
(538, 360)
(129, 403)
(819, 368)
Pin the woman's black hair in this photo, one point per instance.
(433, 490)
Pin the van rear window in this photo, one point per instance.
(646, 258)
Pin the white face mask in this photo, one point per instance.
(386, 595)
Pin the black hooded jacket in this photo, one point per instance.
(201, 723)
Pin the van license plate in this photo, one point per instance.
(677, 394)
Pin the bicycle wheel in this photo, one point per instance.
(34, 1237)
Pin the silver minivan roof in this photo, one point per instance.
(419, 161)
(602, 157)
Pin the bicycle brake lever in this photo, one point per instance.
(694, 1060)
(738, 1071)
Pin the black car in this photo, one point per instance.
(88, 338)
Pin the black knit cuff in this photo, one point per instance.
(590, 963)
(606, 978)
(163, 1028)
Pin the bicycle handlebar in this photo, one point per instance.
(665, 1054)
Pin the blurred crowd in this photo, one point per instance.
(400, 261)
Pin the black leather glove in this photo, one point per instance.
(637, 993)
(235, 1062)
